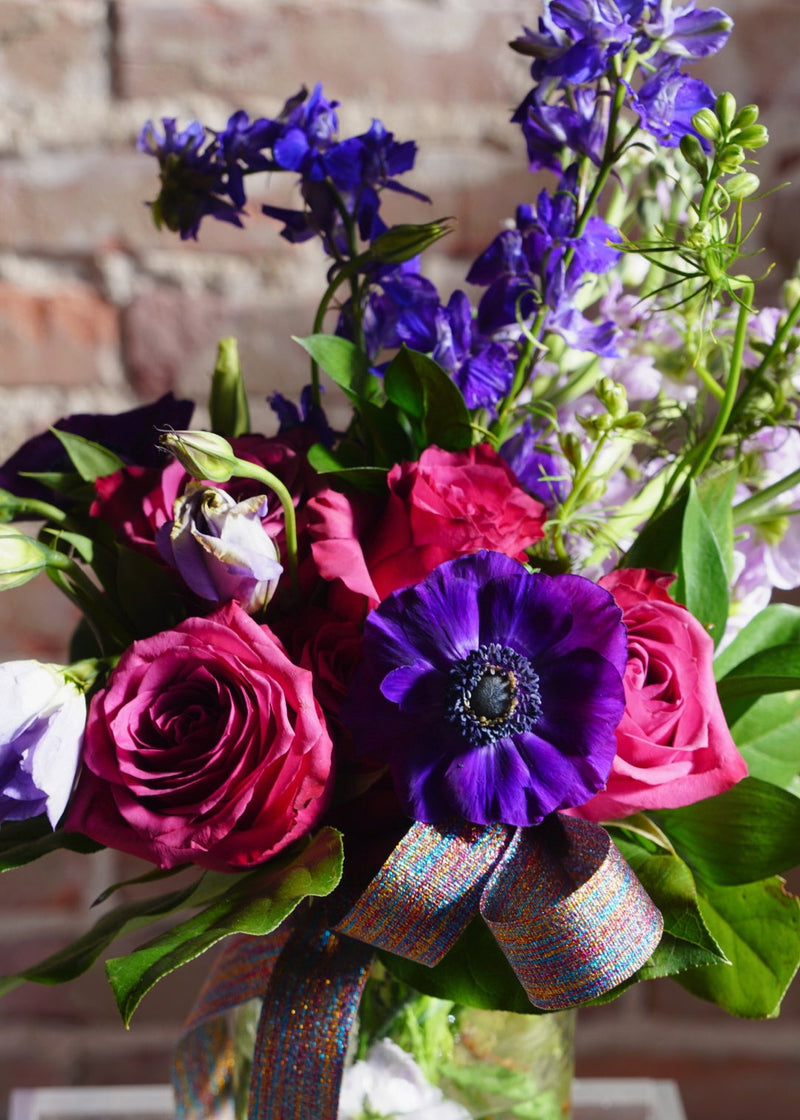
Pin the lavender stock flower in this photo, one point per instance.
(497, 691)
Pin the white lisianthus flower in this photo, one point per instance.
(42, 721)
(389, 1083)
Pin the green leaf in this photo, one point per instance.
(77, 957)
(474, 973)
(772, 670)
(702, 583)
(716, 492)
(83, 545)
(430, 398)
(254, 903)
(758, 927)
(767, 736)
(372, 479)
(22, 842)
(777, 625)
(341, 359)
(671, 886)
(154, 876)
(230, 415)
(91, 460)
(68, 483)
(748, 833)
(658, 544)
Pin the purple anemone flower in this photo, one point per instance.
(491, 692)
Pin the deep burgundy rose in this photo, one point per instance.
(206, 746)
(445, 505)
(673, 744)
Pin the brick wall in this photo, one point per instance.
(98, 311)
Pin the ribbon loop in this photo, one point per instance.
(569, 914)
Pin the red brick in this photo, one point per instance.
(55, 338)
(240, 52)
(55, 62)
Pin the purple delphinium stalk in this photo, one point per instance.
(492, 693)
(482, 368)
(540, 264)
(535, 466)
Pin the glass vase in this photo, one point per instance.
(423, 1058)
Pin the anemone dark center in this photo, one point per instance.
(491, 693)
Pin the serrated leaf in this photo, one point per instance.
(767, 737)
(77, 957)
(254, 903)
(672, 956)
(702, 583)
(758, 927)
(421, 389)
(748, 833)
(91, 460)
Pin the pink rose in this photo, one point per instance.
(673, 744)
(445, 505)
(206, 746)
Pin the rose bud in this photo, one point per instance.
(220, 547)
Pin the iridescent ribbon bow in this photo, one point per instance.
(562, 903)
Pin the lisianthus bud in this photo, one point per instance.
(21, 557)
(204, 455)
(221, 548)
(42, 720)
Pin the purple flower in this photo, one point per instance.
(689, 33)
(220, 547)
(482, 369)
(309, 415)
(193, 178)
(42, 720)
(491, 692)
(241, 147)
(667, 102)
(535, 466)
(400, 308)
(577, 125)
(133, 435)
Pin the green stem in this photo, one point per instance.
(753, 507)
(245, 469)
(776, 345)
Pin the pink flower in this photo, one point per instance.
(445, 505)
(206, 746)
(673, 744)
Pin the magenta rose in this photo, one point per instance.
(206, 746)
(673, 744)
(445, 505)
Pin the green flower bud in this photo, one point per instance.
(230, 415)
(613, 396)
(742, 184)
(571, 448)
(21, 557)
(791, 292)
(632, 421)
(731, 159)
(754, 136)
(706, 124)
(726, 110)
(401, 243)
(204, 455)
(692, 152)
(593, 491)
(747, 115)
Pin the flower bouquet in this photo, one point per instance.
(485, 686)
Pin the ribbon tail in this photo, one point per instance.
(305, 1024)
(202, 1072)
(569, 913)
